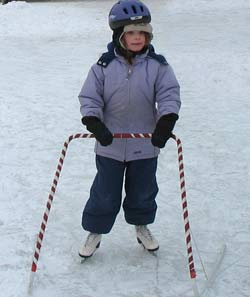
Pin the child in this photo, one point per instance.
(130, 89)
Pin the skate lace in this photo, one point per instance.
(90, 239)
(146, 233)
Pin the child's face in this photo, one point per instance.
(134, 40)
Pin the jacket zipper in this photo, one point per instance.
(128, 77)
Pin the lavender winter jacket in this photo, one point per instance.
(130, 99)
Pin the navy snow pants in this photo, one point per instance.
(105, 199)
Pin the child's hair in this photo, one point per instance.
(148, 38)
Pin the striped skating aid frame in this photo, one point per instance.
(192, 272)
(212, 276)
(41, 233)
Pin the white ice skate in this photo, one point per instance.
(91, 244)
(145, 237)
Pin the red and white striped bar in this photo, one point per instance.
(185, 210)
(55, 182)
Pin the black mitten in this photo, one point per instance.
(98, 128)
(163, 129)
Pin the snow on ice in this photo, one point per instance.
(46, 50)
